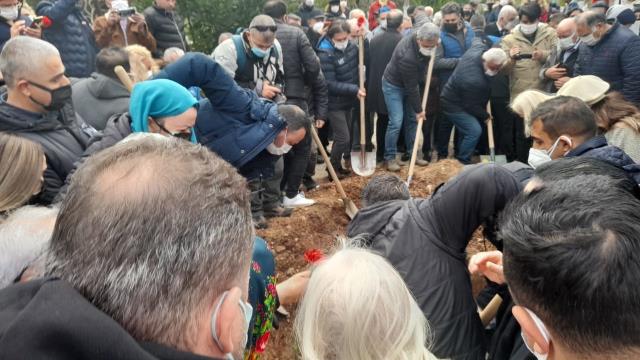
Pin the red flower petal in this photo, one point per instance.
(261, 344)
(361, 21)
(312, 256)
(46, 22)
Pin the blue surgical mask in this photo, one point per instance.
(259, 53)
(247, 311)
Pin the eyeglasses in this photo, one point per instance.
(264, 28)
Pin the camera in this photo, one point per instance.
(524, 56)
(127, 12)
(280, 98)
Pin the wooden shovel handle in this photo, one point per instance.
(327, 161)
(425, 97)
(361, 71)
(124, 77)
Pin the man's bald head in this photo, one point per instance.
(566, 28)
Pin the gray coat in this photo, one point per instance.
(98, 98)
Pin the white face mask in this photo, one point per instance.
(9, 12)
(341, 45)
(343, 4)
(274, 150)
(309, 3)
(247, 311)
(590, 40)
(543, 331)
(566, 43)
(529, 29)
(426, 51)
(491, 73)
(120, 4)
(317, 27)
(538, 157)
(511, 24)
(383, 23)
(335, 8)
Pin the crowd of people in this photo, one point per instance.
(134, 173)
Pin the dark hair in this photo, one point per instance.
(557, 17)
(294, 117)
(451, 8)
(566, 115)
(592, 18)
(570, 255)
(108, 58)
(384, 188)
(337, 27)
(277, 9)
(394, 19)
(531, 11)
(477, 21)
(411, 9)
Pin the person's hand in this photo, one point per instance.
(488, 264)
(113, 18)
(362, 93)
(291, 290)
(17, 28)
(537, 55)
(560, 82)
(420, 116)
(319, 124)
(515, 51)
(269, 91)
(136, 18)
(555, 72)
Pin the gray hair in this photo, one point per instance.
(591, 19)
(357, 307)
(428, 31)
(357, 13)
(506, 11)
(384, 188)
(24, 235)
(295, 117)
(172, 54)
(262, 20)
(151, 231)
(22, 55)
(495, 56)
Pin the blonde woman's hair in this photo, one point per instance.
(21, 163)
(138, 55)
(525, 103)
(357, 306)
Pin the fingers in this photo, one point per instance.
(478, 262)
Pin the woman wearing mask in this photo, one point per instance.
(339, 60)
(13, 22)
(334, 10)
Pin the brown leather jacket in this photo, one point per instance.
(112, 35)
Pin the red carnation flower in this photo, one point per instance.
(313, 256)
(261, 344)
(361, 21)
(46, 22)
(271, 289)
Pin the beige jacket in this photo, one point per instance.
(523, 74)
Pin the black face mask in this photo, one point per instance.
(180, 135)
(451, 28)
(59, 97)
(467, 14)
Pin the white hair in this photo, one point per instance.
(437, 18)
(507, 10)
(356, 13)
(22, 55)
(24, 236)
(172, 54)
(357, 306)
(495, 56)
(428, 31)
(428, 10)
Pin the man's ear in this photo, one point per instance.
(225, 321)
(23, 87)
(531, 330)
(279, 140)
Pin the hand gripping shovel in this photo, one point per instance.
(416, 143)
(363, 162)
(492, 157)
(349, 207)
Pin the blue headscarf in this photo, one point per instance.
(156, 99)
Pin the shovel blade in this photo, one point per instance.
(363, 167)
(350, 208)
(499, 159)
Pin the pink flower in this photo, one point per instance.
(312, 256)
(261, 344)
(272, 289)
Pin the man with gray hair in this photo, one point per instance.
(172, 55)
(37, 105)
(507, 20)
(149, 259)
(401, 88)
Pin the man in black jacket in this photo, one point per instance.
(301, 70)
(425, 240)
(561, 62)
(307, 10)
(37, 105)
(166, 26)
(507, 20)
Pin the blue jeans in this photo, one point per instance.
(399, 110)
(470, 131)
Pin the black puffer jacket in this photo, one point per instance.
(380, 52)
(62, 136)
(305, 12)
(407, 69)
(340, 69)
(167, 27)
(425, 240)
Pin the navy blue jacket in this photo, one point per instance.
(468, 88)
(232, 122)
(598, 148)
(614, 59)
(71, 33)
(340, 70)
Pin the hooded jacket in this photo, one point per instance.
(598, 148)
(113, 36)
(98, 98)
(425, 240)
(48, 319)
(63, 138)
(305, 12)
(232, 122)
(340, 68)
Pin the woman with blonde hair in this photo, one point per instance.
(357, 306)
(525, 103)
(142, 64)
(22, 165)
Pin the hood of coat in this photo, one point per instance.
(103, 87)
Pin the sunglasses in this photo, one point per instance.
(263, 28)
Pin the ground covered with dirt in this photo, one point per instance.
(317, 227)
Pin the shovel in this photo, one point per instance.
(349, 207)
(416, 143)
(124, 77)
(492, 157)
(362, 162)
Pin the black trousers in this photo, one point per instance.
(381, 132)
(296, 160)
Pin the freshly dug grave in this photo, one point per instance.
(317, 227)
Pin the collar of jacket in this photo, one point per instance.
(16, 119)
(162, 11)
(593, 143)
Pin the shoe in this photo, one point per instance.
(346, 172)
(422, 162)
(392, 165)
(278, 211)
(297, 201)
(310, 185)
(319, 159)
(347, 164)
(260, 223)
(405, 157)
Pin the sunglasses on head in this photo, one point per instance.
(264, 28)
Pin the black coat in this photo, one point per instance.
(49, 319)
(340, 69)
(98, 98)
(63, 138)
(307, 13)
(407, 70)
(425, 240)
(468, 88)
(380, 52)
(167, 27)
